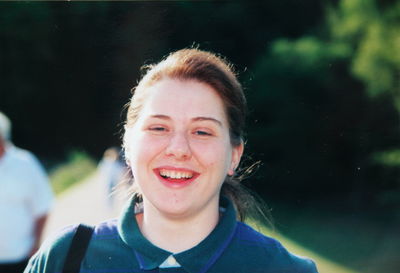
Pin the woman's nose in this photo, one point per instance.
(179, 147)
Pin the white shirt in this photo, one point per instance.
(25, 195)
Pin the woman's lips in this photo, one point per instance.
(175, 177)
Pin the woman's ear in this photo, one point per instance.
(237, 153)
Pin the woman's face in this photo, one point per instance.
(179, 149)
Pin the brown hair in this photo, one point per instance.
(214, 70)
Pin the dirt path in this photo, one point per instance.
(83, 203)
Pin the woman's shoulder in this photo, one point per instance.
(52, 253)
(269, 252)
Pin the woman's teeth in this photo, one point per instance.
(176, 174)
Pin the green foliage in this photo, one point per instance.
(373, 32)
(388, 158)
(308, 53)
(292, 100)
(78, 166)
(322, 107)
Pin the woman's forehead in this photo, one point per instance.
(190, 99)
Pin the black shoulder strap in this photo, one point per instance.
(77, 250)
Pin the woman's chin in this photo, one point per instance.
(174, 208)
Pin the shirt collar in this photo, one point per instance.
(195, 260)
(148, 255)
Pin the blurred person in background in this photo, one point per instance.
(183, 143)
(111, 170)
(25, 200)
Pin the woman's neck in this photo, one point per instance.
(176, 234)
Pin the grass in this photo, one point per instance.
(78, 166)
(324, 265)
(342, 242)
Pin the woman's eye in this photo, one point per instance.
(158, 129)
(202, 133)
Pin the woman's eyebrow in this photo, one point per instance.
(207, 118)
(160, 116)
(165, 117)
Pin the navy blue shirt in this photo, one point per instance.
(119, 246)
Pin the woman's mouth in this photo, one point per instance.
(176, 176)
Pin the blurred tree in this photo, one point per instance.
(321, 130)
(372, 30)
(67, 68)
(50, 66)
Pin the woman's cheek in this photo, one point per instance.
(209, 154)
(150, 146)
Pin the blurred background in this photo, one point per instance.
(322, 80)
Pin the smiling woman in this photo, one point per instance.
(192, 137)
(183, 142)
(187, 69)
